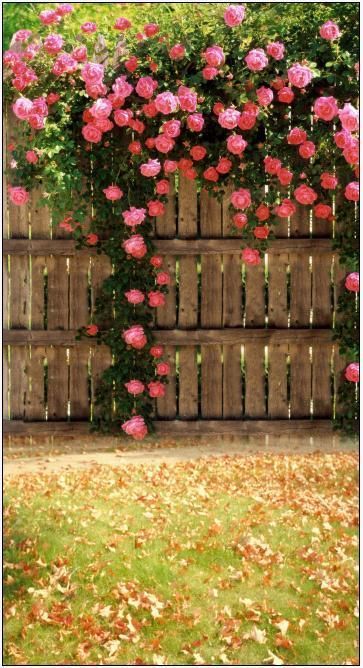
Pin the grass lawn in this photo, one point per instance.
(231, 560)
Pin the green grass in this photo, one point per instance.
(178, 563)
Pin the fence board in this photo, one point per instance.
(166, 406)
(300, 303)
(278, 405)
(300, 221)
(58, 293)
(255, 295)
(255, 381)
(300, 380)
(277, 290)
(18, 381)
(35, 404)
(188, 383)
(321, 381)
(166, 227)
(321, 291)
(58, 383)
(79, 384)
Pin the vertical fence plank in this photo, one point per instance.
(58, 293)
(18, 381)
(34, 404)
(300, 392)
(79, 383)
(277, 290)
(255, 380)
(211, 309)
(79, 310)
(188, 299)
(300, 221)
(101, 360)
(300, 303)
(321, 293)
(278, 406)
(321, 381)
(255, 295)
(58, 385)
(166, 406)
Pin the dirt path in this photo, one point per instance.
(47, 461)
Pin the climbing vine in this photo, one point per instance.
(219, 98)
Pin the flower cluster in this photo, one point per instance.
(206, 116)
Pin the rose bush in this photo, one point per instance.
(204, 99)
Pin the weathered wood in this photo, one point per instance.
(38, 268)
(255, 295)
(166, 315)
(255, 404)
(175, 337)
(300, 221)
(79, 386)
(322, 228)
(166, 406)
(277, 290)
(300, 282)
(40, 224)
(58, 293)
(300, 393)
(188, 383)
(58, 383)
(185, 427)
(321, 381)
(20, 299)
(278, 406)
(35, 394)
(322, 291)
(167, 246)
(232, 382)
(6, 383)
(18, 381)
(79, 307)
(166, 225)
(187, 209)
(100, 360)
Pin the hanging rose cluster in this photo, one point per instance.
(205, 126)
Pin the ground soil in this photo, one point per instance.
(52, 454)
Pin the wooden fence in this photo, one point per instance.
(250, 347)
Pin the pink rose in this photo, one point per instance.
(53, 44)
(156, 351)
(92, 330)
(113, 193)
(135, 147)
(96, 90)
(272, 165)
(92, 73)
(261, 232)
(122, 87)
(236, 144)
(209, 73)
(163, 369)
(296, 136)
(150, 29)
(131, 64)
(89, 27)
(135, 427)
(325, 108)
(163, 278)
(145, 87)
(135, 296)
(156, 389)
(256, 60)
(18, 195)
(224, 166)
(48, 16)
(134, 216)
(164, 144)
(264, 95)
(342, 138)
(329, 30)
(323, 211)
(92, 239)
(349, 118)
(286, 209)
(187, 99)
(22, 35)
(240, 220)
(307, 149)
(299, 75)
(234, 15)
(31, 157)
(162, 187)
(198, 152)
(352, 191)
(241, 199)
(156, 298)
(328, 181)
(52, 98)
(166, 103)
(250, 256)
(262, 212)
(80, 53)
(351, 152)
(284, 176)
(247, 120)
(305, 195)
(352, 372)
(122, 24)
(276, 50)
(101, 108)
(22, 108)
(64, 9)
(352, 282)
(135, 337)
(211, 174)
(155, 208)
(195, 122)
(214, 56)
(229, 119)
(285, 95)
(171, 128)
(64, 64)
(150, 168)
(177, 52)
(103, 124)
(122, 117)
(135, 387)
(150, 110)
(135, 246)
(170, 166)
